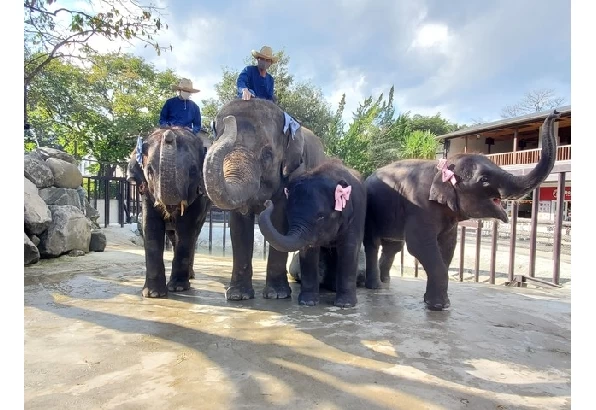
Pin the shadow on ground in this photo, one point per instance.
(92, 341)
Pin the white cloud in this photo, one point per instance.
(432, 36)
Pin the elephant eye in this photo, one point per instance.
(484, 179)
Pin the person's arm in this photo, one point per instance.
(242, 82)
(196, 121)
(273, 96)
(163, 115)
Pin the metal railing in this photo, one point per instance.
(529, 156)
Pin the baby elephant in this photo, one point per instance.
(326, 208)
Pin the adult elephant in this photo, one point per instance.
(422, 201)
(167, 167)
(251, 161)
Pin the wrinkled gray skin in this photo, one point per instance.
(408, 200)
(170, 180)
(250, 162)
(315, 224)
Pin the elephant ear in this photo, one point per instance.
(292, 163)
(444, 192)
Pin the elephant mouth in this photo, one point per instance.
(502, 214)
(170, 210)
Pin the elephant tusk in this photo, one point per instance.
(182, 205)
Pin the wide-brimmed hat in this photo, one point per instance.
(265, 53)
(185, 85)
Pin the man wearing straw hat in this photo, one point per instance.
(254, 80)
(181, 110)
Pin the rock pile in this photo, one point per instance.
(58, 217)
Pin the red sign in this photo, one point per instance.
(550, 194)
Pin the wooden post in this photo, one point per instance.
(466, 145)
(462, 248)
(512, 239)
(515, 146)
(478, 245)
(493, 251)
(533, 229)
(558, 226)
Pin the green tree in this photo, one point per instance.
(46, 40)
(418, 144)
(102, 109)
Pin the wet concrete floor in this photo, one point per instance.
(92, 342)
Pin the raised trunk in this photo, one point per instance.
(292, 242)
(517, 186)
(232, 174)
(168, 192)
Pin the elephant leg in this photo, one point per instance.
(421, 239)
(390, 248)
(347, 271)
(309, 270)
(276, 282)
(328, 261)
(179, 279)
(372, 275)
(447, 241)
(242, 232)
(154, 230)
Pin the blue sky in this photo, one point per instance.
(466, 59)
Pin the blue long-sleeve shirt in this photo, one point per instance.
(184, 113)
(260, 87)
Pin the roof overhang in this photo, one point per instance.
(506, 127)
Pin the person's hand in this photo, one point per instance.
(246, 94)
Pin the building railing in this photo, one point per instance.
(529, 156)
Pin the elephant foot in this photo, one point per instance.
(346, 300)
(178, 285)
(385, 278)
(308, 298)
(277, 290)
(237, 292)
(436, 303)
(154, 290)
(373, 284)
(191, 273)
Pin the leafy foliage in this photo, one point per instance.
(100, 110)
(46, 39)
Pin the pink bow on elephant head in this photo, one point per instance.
(342, 195)
(448, 175)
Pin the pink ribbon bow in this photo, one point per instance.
(342, 195)
(448, 175)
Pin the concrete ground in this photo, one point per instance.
(92, 342)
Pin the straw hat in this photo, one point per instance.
(185, 85)
(265, 53)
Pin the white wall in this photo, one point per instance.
(101, 209)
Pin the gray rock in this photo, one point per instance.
(35, 239)
(31, 252)
(38, 172)
(98, 241)
(66, 175)
(37, 214)
(61, 196)
(69, 230)
(46, 152)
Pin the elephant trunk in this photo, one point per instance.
(292, 242)
(168, 192)
(232, 174)
(517, 186)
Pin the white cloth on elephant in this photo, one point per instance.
(290, 123)
(139, 150)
